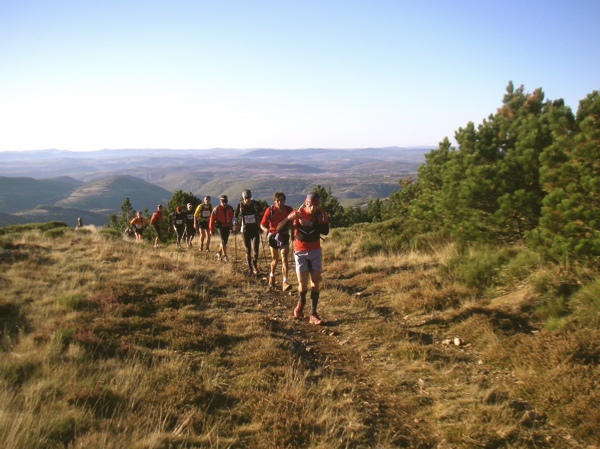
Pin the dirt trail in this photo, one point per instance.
(334, 350)
(407, 403)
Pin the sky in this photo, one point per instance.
(86, 75)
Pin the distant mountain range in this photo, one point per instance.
(46, 184)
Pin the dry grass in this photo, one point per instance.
(109, 344)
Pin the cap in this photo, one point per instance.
(313, 198)
(160, 205)
(247, 194)
(189, 205)
(224, 198)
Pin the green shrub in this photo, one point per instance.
(65, 335)
(110, 233)
(384, 237)
(480, 269)
(552, 312)
(55, 232)
(370, 246)
(522, 265)
(586, 305)
(428, 242)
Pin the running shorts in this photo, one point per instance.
(311, 260)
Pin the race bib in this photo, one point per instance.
(205, 213)
(138, 226)
(249, 219)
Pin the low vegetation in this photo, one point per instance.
(110, 344)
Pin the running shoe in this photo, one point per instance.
(314, 319)
(224, 258)
(285, 287)
(218, 256)
(255, 271)
(299, 312)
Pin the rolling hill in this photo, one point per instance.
(108, 194)
(21, 193)
(65, 199)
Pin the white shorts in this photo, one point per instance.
(309, 260)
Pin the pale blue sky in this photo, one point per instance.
(88, 75)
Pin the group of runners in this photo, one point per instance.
(283, 225)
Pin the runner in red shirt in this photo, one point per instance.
(309, 223)
(156, 221)
(279, 242)
(221, 219)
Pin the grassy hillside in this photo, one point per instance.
(109, 344)
(109, 193)
(22, 193)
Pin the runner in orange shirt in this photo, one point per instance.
(139, 223)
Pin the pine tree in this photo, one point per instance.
(488, 189)
(330, 204)
(180, 198)
(570, 223)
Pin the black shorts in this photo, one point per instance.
(224, 233)
(203, 225)
(279, 241)
(157, 229)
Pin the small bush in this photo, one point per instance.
(429, 242)
(369, 246)
(586, 305)
(110, 233)
(65, 336)
(479, 269)
(521, 266)
(56, 232)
